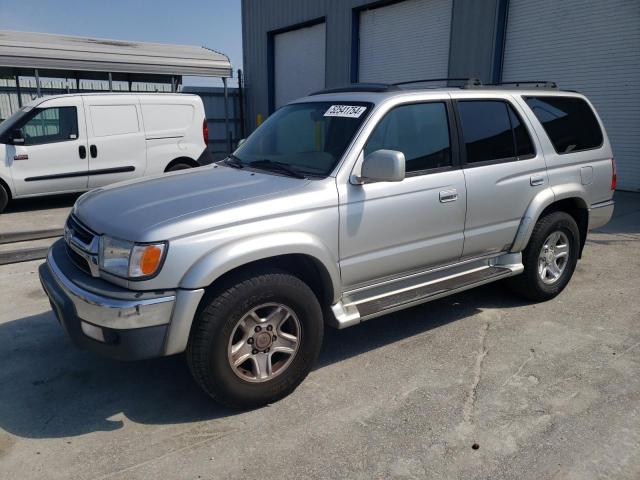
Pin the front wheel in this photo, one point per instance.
(550, 257)
(4, 198)
(255, 339)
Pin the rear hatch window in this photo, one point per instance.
(569, 122)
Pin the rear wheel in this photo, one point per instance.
(255, 339)
(550, 257)
(179, 166)
(4, 198)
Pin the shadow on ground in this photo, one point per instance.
(49, 389)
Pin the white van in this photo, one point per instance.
(75, 142)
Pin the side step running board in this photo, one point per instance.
(352, 311)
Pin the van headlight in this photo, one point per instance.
(129, 259)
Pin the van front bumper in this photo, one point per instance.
(97, 316)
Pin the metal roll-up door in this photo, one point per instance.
(592, 47)
(405, 41)
(299, 63)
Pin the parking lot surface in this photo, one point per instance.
(543, 391)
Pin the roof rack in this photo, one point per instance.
(358, 87)
(546, 84)
(468, 82)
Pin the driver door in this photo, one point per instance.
(389, 229)
(53, 156)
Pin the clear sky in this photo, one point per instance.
(214, 24)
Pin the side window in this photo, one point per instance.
(568, 121)
(492, 130)
(420, 131)
(50, 125)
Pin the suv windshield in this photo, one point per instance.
(307, 138)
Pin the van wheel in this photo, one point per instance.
(178, 166)
(255, 339)
(4, 198)
(550, 258)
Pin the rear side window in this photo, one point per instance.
(568, 121)
(110, 120)
(420, 131)
(493, 131)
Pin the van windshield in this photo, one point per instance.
(304, 138)
(10, 123)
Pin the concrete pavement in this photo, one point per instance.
(546, 391)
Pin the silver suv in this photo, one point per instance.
(343, 206)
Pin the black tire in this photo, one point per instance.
(216, 319)
(179, 166)
(530, 284)
(4, 198)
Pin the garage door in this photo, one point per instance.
(405, 41)
(593, 47)
(299, 63)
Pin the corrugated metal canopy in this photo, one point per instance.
(62, 52)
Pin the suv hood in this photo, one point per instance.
(130, 210)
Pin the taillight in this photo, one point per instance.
(205, 132)
(614, 174)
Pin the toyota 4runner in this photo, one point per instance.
(343, 206)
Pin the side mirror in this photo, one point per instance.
(16, 137)
(383, 166)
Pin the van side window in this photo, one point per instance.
(50, 125)
(493, 131)
(568, 121)
(420, 131)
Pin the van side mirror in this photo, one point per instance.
(16, 137)
(383, 166)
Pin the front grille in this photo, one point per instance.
(79, 261)
(79, 231)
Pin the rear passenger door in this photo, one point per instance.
(117, 147)
(503, 171)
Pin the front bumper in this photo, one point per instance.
(98, 316)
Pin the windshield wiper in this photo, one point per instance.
(233, 161)
(277, 166)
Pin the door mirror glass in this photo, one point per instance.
(383, 166)
(17, 138)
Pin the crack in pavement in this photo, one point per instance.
(467, 409)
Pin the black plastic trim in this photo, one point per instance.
(103, 171)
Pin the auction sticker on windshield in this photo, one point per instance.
(350, 111)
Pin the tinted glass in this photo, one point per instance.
(486, 130)
(524, 145)
(309, 137)
(49, 125)
(569, 122)
(420, 131)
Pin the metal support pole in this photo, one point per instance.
(226, 114)
(38, 92)
(110, 83)
(18, 92)
(241, 102)
(77, 82)
(173, 84)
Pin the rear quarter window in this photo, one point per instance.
(568, 121)
(160, 117)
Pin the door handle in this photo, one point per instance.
(448, 196)
(536, 180)
(94, 151)
(82, 151)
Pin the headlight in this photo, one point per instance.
(130, 260)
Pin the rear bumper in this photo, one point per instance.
(600, 213)
(114, 322)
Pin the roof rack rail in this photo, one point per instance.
(467, 81)
(358, 87)
(550, 85)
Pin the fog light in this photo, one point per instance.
(92, 331)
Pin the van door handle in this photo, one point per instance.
(536, 180)
(448, 196)
(82, 151)
(94, 151)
